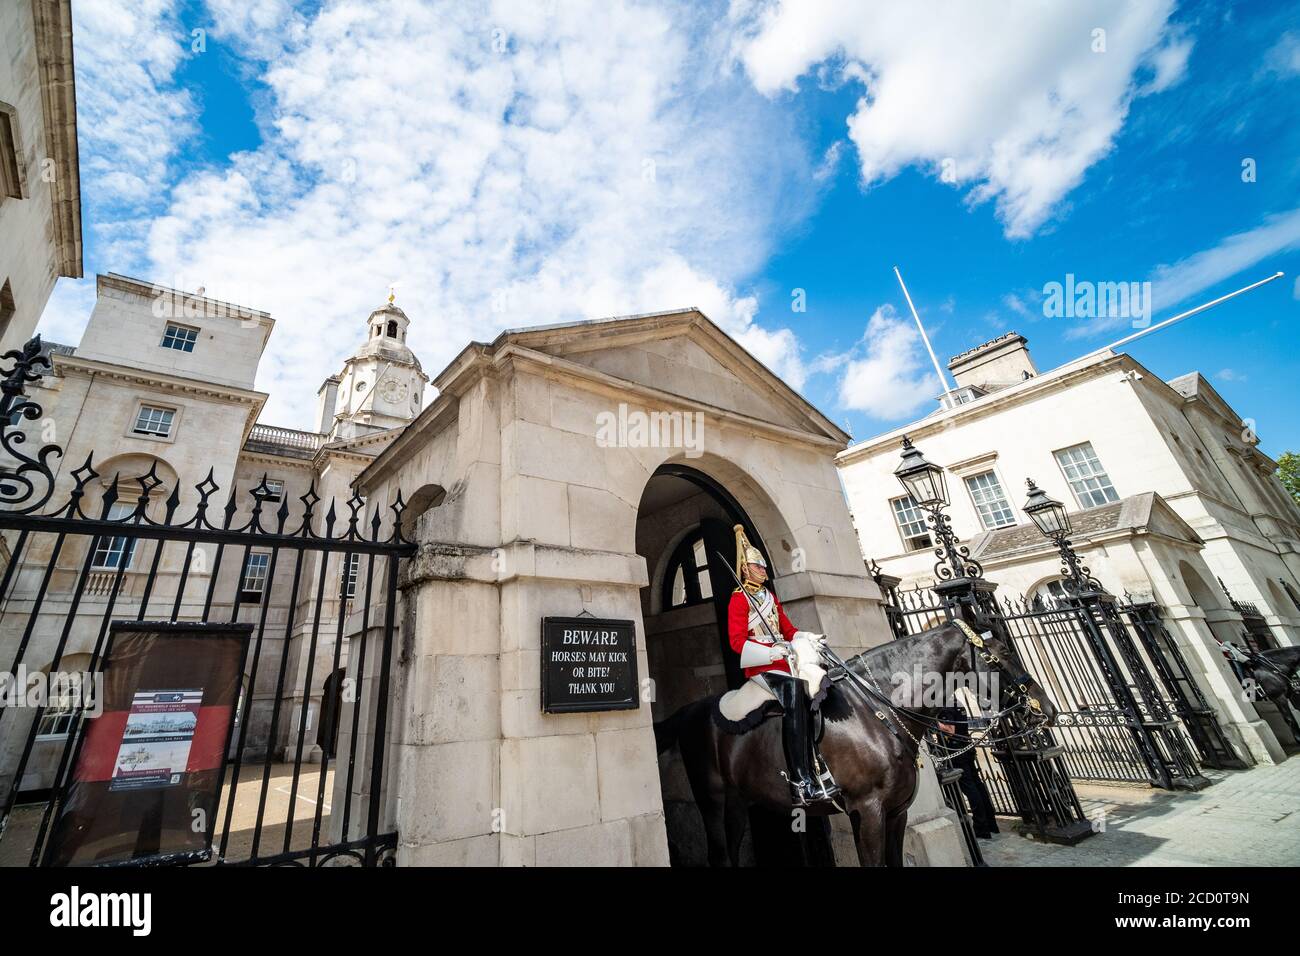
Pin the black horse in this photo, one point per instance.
(876, 766)
(1275, 680)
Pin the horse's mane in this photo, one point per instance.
(837, 705)
(1286, 657)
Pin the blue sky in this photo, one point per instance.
(512, 164)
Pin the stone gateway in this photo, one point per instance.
(532, 508)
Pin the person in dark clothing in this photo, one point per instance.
(954, 734)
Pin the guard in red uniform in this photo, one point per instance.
(760, 633)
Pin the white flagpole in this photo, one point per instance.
(943, 379)
(1182, 315)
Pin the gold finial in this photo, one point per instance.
(392, 294)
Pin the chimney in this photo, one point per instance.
(326, 401)
(996, 364)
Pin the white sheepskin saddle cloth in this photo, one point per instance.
(747, 706)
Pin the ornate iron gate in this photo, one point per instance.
(1182, 694)
(115, 548)
(1114, 723)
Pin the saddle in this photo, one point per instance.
(741, 710)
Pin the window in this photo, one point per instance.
(11, 183)
(911, 523)
(1049, 594)
(990, 501)
(7, 309)
(1088, 480)
(58, 717)
(113, 552)
(392, 330)
(274, 490)
(348, 582)
(688, 573)
(153, 420)
(254, 579)
(180, 337)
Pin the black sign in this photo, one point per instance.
(588, 664)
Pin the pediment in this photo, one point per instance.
(682, 353)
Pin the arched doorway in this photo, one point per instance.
(331, 706)
(685, 532)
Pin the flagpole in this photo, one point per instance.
(1183, 315)
(943, 379)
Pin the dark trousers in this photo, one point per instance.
(977, 795)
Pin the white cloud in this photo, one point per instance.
(1009, 98)
(1175, 284)
(1016, 304)
(132, 124)
(505, 164)
(1284, 56)
(887, 376)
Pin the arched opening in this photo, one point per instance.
(331, 705)
(1047, 593)
(392, 329)
(425, 499)
(685, 532)
(1204, 597)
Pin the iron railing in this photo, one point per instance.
(169, 559)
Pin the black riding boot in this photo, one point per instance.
(796, 739)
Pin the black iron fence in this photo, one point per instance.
(305, 778)
(1128, 707)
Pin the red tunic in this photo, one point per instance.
(738, 631)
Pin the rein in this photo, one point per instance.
(1026, 702)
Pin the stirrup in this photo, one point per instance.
(829, 789)
(802, 792)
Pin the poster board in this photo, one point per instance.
(146, 781)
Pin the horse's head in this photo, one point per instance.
(1017, 688)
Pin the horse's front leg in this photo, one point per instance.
(713, 809)
(895, 833)
(735, 816)
(869, 831)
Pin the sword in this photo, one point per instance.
(750, 599)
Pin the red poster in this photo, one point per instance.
(147, 780)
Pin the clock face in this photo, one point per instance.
(393, 391)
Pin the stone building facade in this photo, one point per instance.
(40, 193)
(1170, 496)
(580, 469)
(164, 380)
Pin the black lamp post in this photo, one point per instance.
(1050, 517)
(925, 483)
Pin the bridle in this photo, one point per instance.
(1025, 701)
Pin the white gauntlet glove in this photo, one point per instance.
(817, 640)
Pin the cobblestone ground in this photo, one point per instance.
(1246, 818)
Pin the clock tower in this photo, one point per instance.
(381, 385)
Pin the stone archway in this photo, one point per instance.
(685, 533)
(1204, 597)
